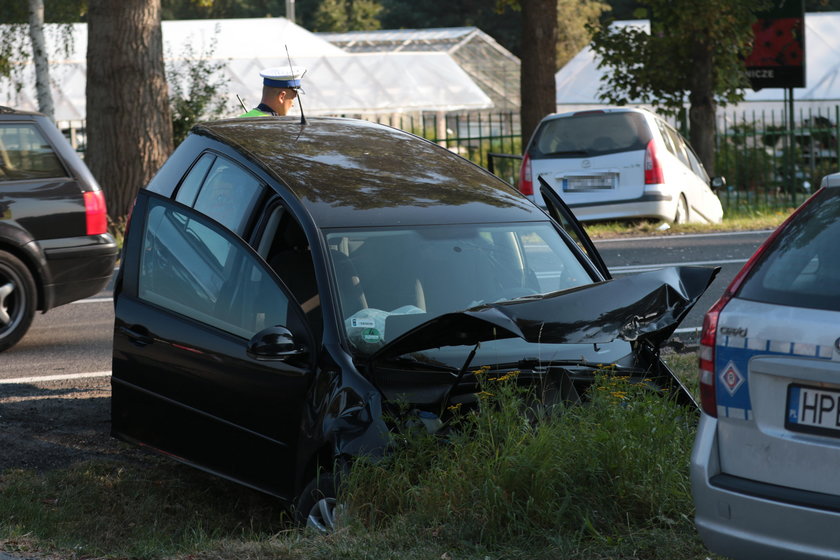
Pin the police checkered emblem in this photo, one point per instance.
(731, 378)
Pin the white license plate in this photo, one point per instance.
(813, 409)
(589, 182)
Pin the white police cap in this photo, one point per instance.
(280, 77)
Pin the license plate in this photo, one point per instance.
(589, 182)
(813, 409)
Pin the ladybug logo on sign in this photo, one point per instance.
(731, 378)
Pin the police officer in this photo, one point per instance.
(280, 88)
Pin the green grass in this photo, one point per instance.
(604, 480)
(756, 219)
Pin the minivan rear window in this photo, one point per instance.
(801, 269)
(590, 134)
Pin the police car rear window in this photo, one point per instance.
(802, 268)
(590, 134)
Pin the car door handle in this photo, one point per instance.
(137, 335)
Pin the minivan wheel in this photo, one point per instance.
(317, 507)
(681, 216)
(17, 300)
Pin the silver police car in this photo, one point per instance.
(765, 469)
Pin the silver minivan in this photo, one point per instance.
(764, 469)
(619, 163)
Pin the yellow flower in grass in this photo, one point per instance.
(455, 407)
(484, 394)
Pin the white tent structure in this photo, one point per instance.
(579, 81)
(335, 83)
(489, 64)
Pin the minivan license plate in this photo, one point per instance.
(589, 182)
(812, 409)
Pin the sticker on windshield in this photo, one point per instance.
(371, 336)
(363, 323)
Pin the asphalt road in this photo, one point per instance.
(76, 338)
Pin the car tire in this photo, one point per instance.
(681, 216)
(317, 507)
(17, 300)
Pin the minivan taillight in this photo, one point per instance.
(96, 215)
(653, 171)
(526, 183)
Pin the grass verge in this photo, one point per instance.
(736, 221)
(605, 480)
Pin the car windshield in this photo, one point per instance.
(392, 279)
(590, 134)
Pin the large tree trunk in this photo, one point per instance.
(39, 54)
(539, 56)
(129, 128)
(701, 98)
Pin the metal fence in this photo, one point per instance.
(768, 164)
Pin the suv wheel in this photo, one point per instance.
(17, 299)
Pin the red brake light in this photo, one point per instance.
(526, 183)
(653, 171)
(95, 212)
(706, 355)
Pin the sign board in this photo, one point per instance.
(778, 56)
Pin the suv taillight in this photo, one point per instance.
(526, 183)
(96, 214)
(653, 171)
(706, 355)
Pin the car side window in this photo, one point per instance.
(192, 267)
(696, 166)
(219, 188)
(192, 182)
(26, 154)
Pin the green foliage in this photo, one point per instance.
(347, 15)
(515, 472)
(196, 83)
(659, 67)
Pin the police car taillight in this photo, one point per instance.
(526, 183)
(706, 355)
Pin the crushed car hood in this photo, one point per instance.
(645, 307)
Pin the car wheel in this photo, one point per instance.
(17, 300)
(681, 216)
(317, 507)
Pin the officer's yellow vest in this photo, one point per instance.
(255, 113)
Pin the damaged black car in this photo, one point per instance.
(285, 284)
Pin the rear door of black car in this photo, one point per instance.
(191, 296)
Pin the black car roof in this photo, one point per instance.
(349, 172)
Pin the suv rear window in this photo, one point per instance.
(801, 269)
(590, 134)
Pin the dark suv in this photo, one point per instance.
(54, 243)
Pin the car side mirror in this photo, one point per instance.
(717, 182)
(274, 343)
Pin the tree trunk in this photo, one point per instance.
(129, 128)
(39, 54)
(539, 56)
(701, 98)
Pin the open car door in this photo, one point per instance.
(563, 215)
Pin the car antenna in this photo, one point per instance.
(241, 103)
(300, 97)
